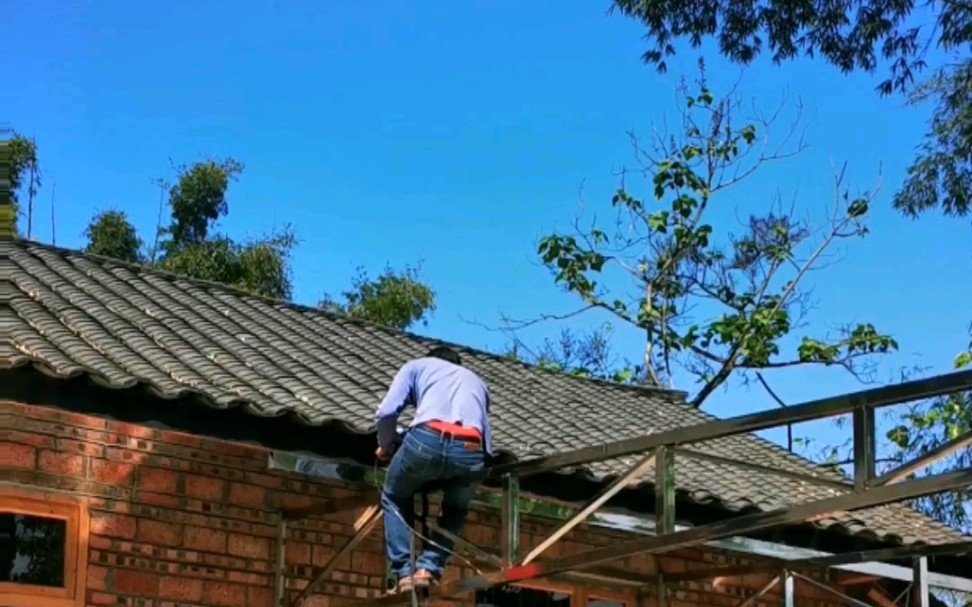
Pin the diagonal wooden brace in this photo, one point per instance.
(363, 526)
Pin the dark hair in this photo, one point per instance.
(447, 354)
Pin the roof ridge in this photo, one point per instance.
(303, 308)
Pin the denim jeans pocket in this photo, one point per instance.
(420, 448)
(472, 459)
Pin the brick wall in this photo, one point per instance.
(181, 521)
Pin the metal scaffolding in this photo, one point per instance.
(867, 490)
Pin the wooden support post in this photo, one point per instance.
(510, 515)
(864, 468)
(919, 584)
(664, 490)
(280, 568)
(363, 526)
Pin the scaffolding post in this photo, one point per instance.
(510, 515)
(664, 490)
(864, 466)
(919, 584)
(279, 574)
(789, 594)
(661, 591)
(664, 507)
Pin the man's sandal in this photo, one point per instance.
(423, 579)
(405, 584)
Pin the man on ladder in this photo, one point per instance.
(449, 439)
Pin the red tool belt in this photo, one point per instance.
(457, 431)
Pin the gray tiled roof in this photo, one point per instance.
(73, 314)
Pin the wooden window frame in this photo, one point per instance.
(75, 515)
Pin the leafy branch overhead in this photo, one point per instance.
(893, 35)
(897, 38)
(706, 298)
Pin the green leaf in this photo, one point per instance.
(658, 221)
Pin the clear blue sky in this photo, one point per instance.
(450, 133)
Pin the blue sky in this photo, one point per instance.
(452, 134)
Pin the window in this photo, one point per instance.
(515, 596)
(596, 602)
(42, 555)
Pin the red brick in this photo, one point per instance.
(13, 455)
(204, 488)
(248, 546)
(97, 578)
(94, 450)
(178, 438)
(102, 598)
(368, 562)
(97, 542)
(246, 496)
(135, 583)
(259, 597)
(205, 540)
(323, 554)
(298, 553)
(61, 464)
(225, 595)
(181, 589)
(113, 525)
(251, 579)
(117, 474)
(157, 480)
(160, 499)
(265, 480)
(159, 533)
(25, 438)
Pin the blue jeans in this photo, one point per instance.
(426, 456)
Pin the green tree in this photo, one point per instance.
(260, 266)
(198, 200)
(111, 234)
(25, 174)
(707, 299)
(396, 299)
(191, 247)
(864, 35)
